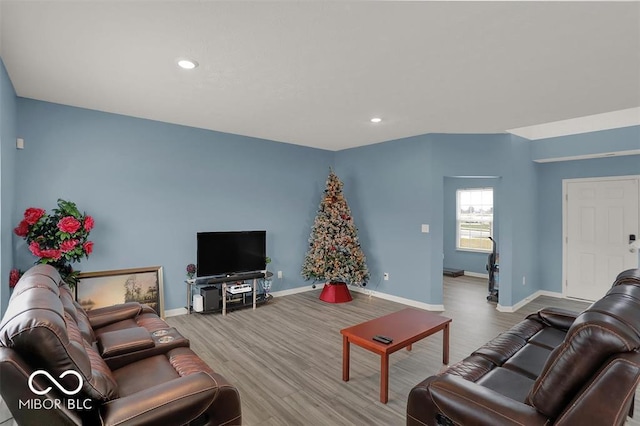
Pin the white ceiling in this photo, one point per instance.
(314, 72)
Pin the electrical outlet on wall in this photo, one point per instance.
(385, 276)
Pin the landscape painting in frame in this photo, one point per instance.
(106, 288)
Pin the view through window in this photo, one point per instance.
(474, 219)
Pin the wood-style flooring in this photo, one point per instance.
(286, 356)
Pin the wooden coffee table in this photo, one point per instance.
(405, 327)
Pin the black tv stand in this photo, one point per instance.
(229, 300)
(242, 276)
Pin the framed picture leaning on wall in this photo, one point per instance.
(106, 288)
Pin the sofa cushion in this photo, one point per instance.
(149, 320)
(125, 341)
(98, 381)
(28, 283)
(144, 374)
(557, 317)
(527, 328)
(67, 301)
(508, 383)
(152, 371)
(52, 276)
(528, 361)
(549, 338)
(107, 315)
(471, 368)
(501, 348)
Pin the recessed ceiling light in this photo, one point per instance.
(187, 64)
(376, 119)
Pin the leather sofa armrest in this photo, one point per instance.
(146, 309)
(177, 401)
(109, 314)
(118, 342)
(608, 397)
(556, 317)
(464, 402)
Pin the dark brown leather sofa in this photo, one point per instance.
(555, 367)
(120, 365)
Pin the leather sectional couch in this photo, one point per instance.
(555, 367)
(120, 365)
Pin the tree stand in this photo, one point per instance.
(335, 293)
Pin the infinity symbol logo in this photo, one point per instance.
(55, 382)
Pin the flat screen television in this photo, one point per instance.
(220, 253)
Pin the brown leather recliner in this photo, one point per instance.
(554, 367)
(62, 365)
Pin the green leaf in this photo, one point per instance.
(69, 208)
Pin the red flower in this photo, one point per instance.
(33, 215)
(51, 253)
(88, 223)
(22, 230)
(34, 248)
(68, 245)
(88, 247)
(69, 224)
(14, 276)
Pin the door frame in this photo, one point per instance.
(565, 219)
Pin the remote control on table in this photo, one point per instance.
(383, 339)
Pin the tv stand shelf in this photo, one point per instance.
(229, 301)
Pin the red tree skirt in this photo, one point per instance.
(335, 293)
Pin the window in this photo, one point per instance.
(474, 219)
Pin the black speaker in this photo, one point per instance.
(212, 297)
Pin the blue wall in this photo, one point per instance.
(518, 226)
(623, 139)
(460, 259)
(8, 134)
(386, 186)
(152, 186)
(499, 155)
(396, 186)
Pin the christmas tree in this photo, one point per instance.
(334, 251)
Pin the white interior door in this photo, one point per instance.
(601, 215)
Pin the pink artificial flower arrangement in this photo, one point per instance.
(191, 270)
(59, 238)
(14, 276)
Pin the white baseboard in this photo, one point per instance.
(397, 299)
(175, 312)
(294, 290)
(368, 292)
(528, 299)
(476, 274)
(363, 290)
